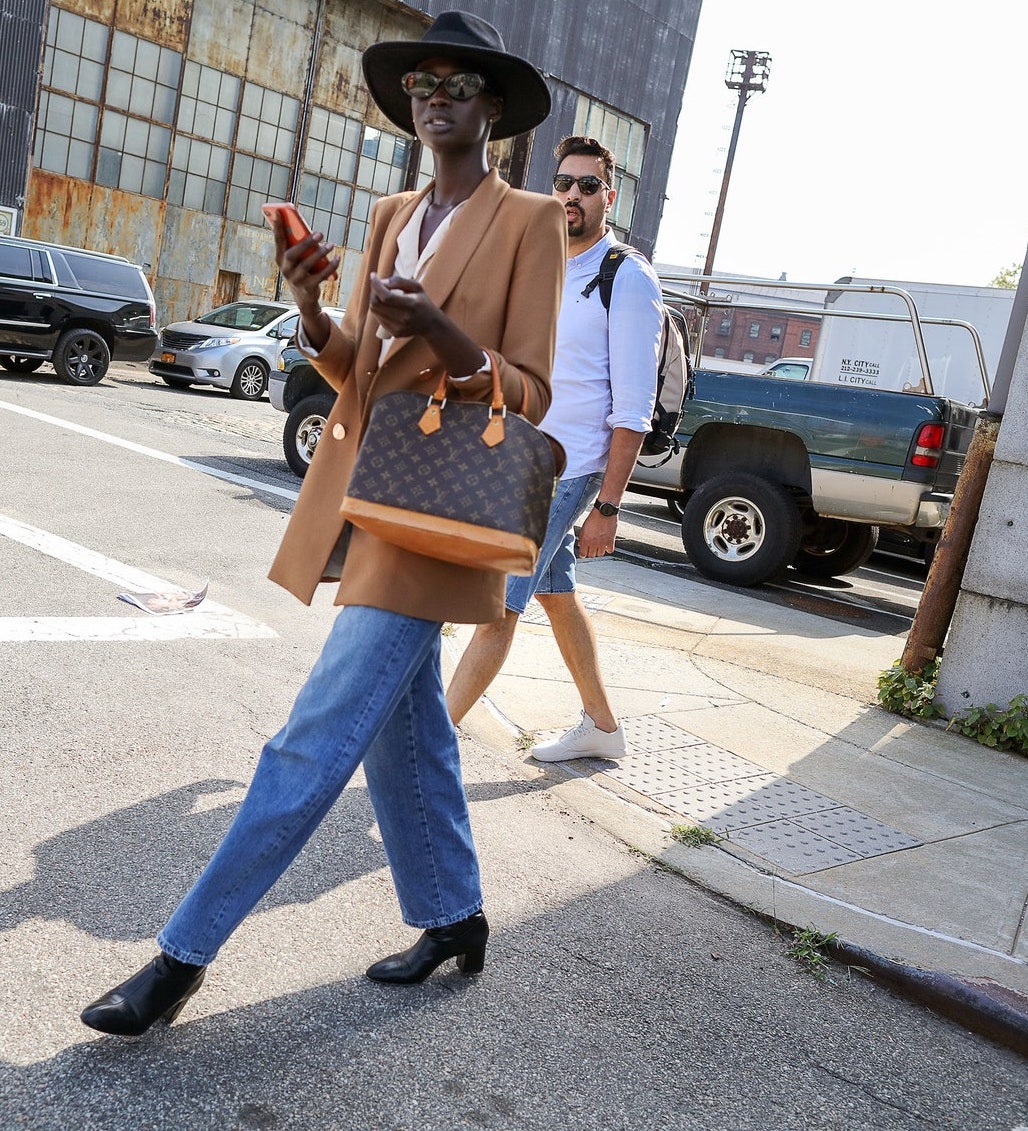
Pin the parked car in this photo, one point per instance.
(299, 390)
(75, 308)
(233, 347)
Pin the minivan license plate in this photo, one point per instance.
(168, 358)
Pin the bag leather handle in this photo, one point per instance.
(495, 431)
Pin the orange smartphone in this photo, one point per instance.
(297, 228)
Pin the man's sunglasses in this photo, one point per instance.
(562, 182)
(460, 87)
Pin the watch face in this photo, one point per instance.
(608, 510)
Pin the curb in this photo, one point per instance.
(983, 1006)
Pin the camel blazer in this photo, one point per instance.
(498, 274)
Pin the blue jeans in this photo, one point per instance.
(375, 694)
(555, 569)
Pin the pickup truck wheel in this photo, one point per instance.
(834, 547)
(21, 364)
(741, 529)
(303, 431)
(676, 507)
(81, 357)
(251, 380)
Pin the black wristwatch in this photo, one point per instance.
(608, 510)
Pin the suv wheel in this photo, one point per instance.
(251, 380)
(303, 430)
(81, 357)
(21, 364)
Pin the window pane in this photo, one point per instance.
(118, 89)
(108, 167)
(80, 160)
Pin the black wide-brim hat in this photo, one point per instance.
(474, 43)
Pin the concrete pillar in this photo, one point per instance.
(986, 653)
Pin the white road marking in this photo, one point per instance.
(153, 453)
(211, 620)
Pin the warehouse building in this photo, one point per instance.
(155, 129)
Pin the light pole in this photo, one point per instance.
(747, 73)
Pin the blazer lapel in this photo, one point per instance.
(469, 226)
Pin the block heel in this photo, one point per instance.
(464, 941)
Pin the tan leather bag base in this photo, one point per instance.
(446, 539)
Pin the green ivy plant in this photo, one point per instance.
(913, 694)
(1000, 729)
(910, 693)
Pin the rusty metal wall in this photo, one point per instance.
(21, 46)
(273, 44)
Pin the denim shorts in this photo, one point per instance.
(555, 570)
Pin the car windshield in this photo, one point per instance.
(242, 316)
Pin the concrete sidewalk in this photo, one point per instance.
(757, 721)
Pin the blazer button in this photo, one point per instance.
(338, 431)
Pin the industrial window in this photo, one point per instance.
(626, 139)
(209, 103)
(65, 135)
(719, 351)
(267, 130)
(768, 358)
(133, 154)
(754, 329)
(199, 165)
(143, 78)
(748, 356)
(725, 325)
(346, 167)
(73, 75)
(805, 336)
(776, 334)
(76, 54)
(199, 175)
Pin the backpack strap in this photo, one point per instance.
(609, 265)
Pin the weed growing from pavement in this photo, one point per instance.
(808, 947)
(525, 740)
(913, 694)
(694, 836)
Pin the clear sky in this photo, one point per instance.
(891, 142)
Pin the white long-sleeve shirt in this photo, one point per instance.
(605, 369)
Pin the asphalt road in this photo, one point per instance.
(616, 995)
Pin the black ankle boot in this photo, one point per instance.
(464, 941)
(156, 993)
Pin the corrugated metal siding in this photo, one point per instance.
(21, 46)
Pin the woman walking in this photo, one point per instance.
(460, 276)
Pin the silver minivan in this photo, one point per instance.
(233, 347)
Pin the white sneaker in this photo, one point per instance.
(583, 741)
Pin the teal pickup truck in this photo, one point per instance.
(773, 473)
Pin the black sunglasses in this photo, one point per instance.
(562, 182)
(461, 86)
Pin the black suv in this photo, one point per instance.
(76, 309)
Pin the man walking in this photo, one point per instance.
(604, 387)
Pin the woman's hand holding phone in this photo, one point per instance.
(305, 262)
(292, 231)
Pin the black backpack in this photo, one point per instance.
(675, 383)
